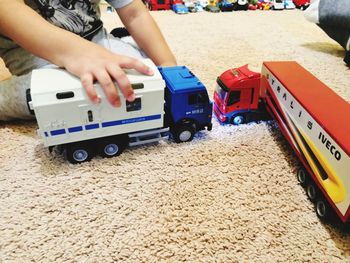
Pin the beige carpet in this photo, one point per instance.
(229, 196)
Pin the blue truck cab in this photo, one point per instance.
(188, 108)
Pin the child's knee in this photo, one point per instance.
(13, 98)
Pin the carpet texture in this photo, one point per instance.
(229, 196)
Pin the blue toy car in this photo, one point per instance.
(226, 6)
(288, 4)
(180, 9)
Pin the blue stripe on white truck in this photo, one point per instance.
(128, 121)
(92, 126)
(105, 124)
(57, 132)
(75, 129)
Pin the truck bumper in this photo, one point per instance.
(221, 117)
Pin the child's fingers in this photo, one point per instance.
(131, 63)
(87, 82)
(123, 82)
(108, 87)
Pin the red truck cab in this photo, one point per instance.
(237, 96)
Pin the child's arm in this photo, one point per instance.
(146, 33)
(82, 58)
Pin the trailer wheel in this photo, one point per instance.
(79, 152)
(237, 120)
(111, 147)
(184, 133)
(302, 177)
(312, 191)
(323, 209)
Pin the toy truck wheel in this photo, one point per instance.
(237, 120)
(184, 133)
(110, 150)
(78, 153)
(302, 177)
(323, 209)
(312, 191)
(111, 147)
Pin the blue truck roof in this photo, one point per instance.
(180, 79)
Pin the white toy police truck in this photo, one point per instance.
(173, 101)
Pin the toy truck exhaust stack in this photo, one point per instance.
(313, 118)
(68, 119)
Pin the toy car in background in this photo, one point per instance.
(240, 5)
(157, 4)
(180, 9)
(263, 4)
(288, 4)
(253, 5)
(301, 4)
(276, 4)
(226, 5)
(198, 6)
(191, 5)
(203, 3)
(175, 2)
(212, 6)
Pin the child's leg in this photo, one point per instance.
(335, 13)
(123, 46)
(329, 12)
(13, 102)
(339, 34)
(334, 18)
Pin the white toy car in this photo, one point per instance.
(277, 4)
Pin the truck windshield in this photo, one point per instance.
(221, 88)
(198, 98)
(222, 93)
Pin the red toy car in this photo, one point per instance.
(252, 7)
(157, 4)
(301, 4)
(263, 4)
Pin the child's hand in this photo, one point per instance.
(88, 61)
(91, 62)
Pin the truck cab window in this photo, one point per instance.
(192, 99)
(234, 97)
(202, 98)
(134, 105)
(198, 98)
